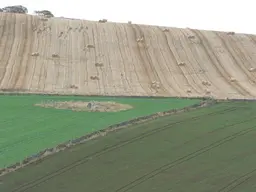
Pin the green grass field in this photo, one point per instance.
(26, 129)
(210, 149)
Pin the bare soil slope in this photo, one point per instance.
(85, 57)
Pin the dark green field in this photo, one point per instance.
(208, 150)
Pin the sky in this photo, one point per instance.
(221, 15)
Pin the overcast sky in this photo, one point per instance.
(227, 15)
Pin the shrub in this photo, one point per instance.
(15, 9)
(44, 13)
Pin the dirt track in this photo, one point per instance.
(106, 59)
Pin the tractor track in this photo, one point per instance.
(183, 159)
(7, 53)
(216, 62)
(237, 182)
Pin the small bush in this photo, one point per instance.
(231, 33)
(103, 21)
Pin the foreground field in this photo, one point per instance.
(211, 149)
(86, 57)
(26, 129)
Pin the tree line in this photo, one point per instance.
(23, 10)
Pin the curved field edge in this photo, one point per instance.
(49, 151)
(200, 150)
(27, 129)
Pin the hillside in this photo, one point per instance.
(85, 57)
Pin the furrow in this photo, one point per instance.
(168, 79)
(124, 60)
(241, 72)
(144, 47)
(199, 66)
(7, 59)
(184, 82)
(3, 24)
(217, 64)
(135, 61)
(24, 66)
(188, 69)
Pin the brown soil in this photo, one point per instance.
(83, 106)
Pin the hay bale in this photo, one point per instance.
(94, 78)
(140, 39)
(181, 63)
(189, 91)
(232, 79)
(99, 64)
(155, 85)
(89, 46)
(231, 33)
(252, 69)
(207, 91)
(206, 83)
(129, 22)
(73, 87)
(103, 20)
(55, 55)
(35, 54)
(60, 34)
(191, 37)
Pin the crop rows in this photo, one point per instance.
(163, 153)
(85, 57)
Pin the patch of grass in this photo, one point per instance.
(26, 129)
(210, 149)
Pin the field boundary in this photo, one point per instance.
(50, 151)
(36, 93)
(31, 93)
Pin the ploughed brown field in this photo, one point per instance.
(67, 56)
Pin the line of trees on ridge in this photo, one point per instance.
(23, 10)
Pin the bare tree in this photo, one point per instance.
(44, 13)
(1, 10)
(15, 9)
